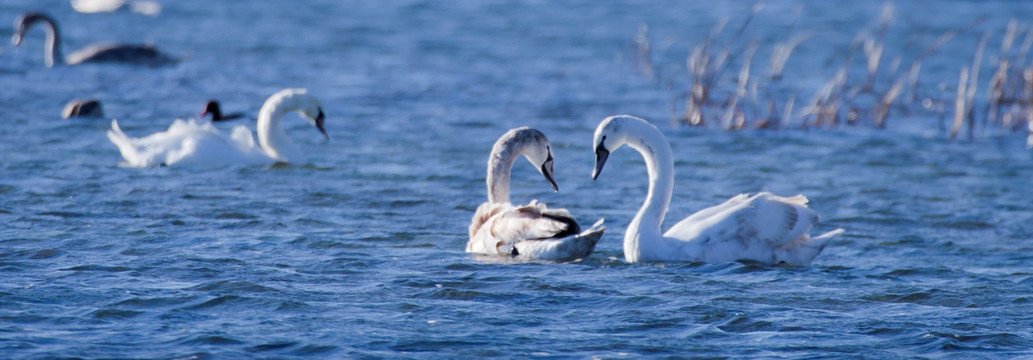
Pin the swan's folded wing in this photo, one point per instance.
(711, 211)
(496, 227)
(534, 221)
(765, 218)
(694, 225)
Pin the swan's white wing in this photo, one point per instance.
(531, 231)
(689, 222)
(561, 249)
(746, 227)
(154, 149)
(190, 143)
(241, 136)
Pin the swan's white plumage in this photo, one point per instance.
(190, 143)
(761, 227)
(199, 143)
(531, 231)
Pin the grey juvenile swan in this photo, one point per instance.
(97, 53)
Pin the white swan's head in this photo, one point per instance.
(299, 100)
(533, 145)
(610, 135)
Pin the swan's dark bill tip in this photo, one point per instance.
(601, 154)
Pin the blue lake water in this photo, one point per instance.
(359, 253)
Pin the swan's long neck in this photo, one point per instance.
(500, 166)
(645, 227)
(271, 136)
(52, 50)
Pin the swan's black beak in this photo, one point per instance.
(600, 159)
(547, 171)
(320, 119)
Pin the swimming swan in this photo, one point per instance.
(194, 142)
(530, 231)
(760, 227)
(110, 53)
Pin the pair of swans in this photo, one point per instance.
(761, 227)
(199, 143)
(99, 53)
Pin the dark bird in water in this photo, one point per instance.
(86, 108)
(212, 107)
(98, 53)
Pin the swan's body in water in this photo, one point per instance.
(212, 108)
(531, 231)
(83, 108)
(99, 53)
(760, 227)
(195, 142)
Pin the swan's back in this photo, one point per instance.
(119, 53)
(495, 227)
(747, 227)
(189, 143)
(530, 232)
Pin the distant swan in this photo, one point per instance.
(760, 227)
(530, 231)
(212, 108)
(101, 6)
(194, 142)
(110, 53)
(83, 108)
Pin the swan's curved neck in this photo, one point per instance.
(271, 136)
(500, 166)
(645, 227)
(52, 50)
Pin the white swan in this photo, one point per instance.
(103, 6)
(530, 231)
(760, 227)
(110, 53)
(193, 142)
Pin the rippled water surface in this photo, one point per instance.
(360, 252)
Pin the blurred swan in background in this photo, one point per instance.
(84, 108)
(760, 227)
(102, 6)
(97, 53)
(531, 231)
(196, 142)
